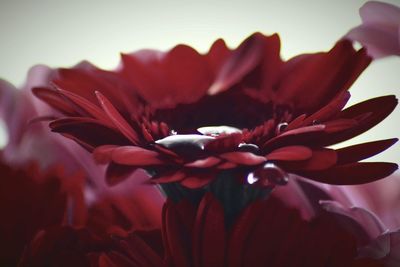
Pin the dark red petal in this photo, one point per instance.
(165, 79)
(243, 158)
(204, 163)
(117, 119)
(88, 132)
(226, 165)
(336, 71)
(240, 233)
(86, 105)
(339, 125)
(209, 233)
(196, 180)
(176, 234)
(244, 59)
(321, 159)
(367, 114)
(272, 63)
(290, 153)
(169, 177)
(135, 156)
(330, 110)
(224, 143)
(188, 74)
(54, 99)
(362, 151)
(354, 173)
(217, 55)
(296, 123)
(297, 136)
(102, 154)
(141, 252)
(116, 173)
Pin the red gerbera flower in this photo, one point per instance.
(187, 117)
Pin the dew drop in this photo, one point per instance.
(218, 130)
(269, 175)
(185, 140)
(274, 174)
(251, 178)
(316, 122)
(248, 148)
(281, 127)
(173, 132)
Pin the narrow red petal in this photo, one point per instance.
(117, 119)
(290, 153)
(209, 233)
(362, 151)
(367, 114)
(169, 177)
(86, 105)
(197, 180)
(87, 130)
(354, 173)
(330, 110)
(135, 156)
(204, 163)
(243, 158)
(321, 159)
(54, 99)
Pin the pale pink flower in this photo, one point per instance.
(379, 31)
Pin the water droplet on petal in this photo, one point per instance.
(251, 178)
(270, 175)
(281, 127)
(248, 148)
(185, 140)
(218, 130)
(173, 132)
(316, 122)
(274, 174)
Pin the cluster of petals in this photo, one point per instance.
(156, 110)
(217, 132)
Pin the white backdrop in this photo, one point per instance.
(62, 33)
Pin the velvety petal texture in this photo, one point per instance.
(199, 114)
(185, 159)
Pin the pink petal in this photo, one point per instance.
(380, 41)
(374, 12)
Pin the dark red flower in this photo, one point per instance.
(268, 232)
(29, 201)
(186, 117)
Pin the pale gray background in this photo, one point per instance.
(62, 33)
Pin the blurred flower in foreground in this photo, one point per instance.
(238, 140)
(380, 29)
